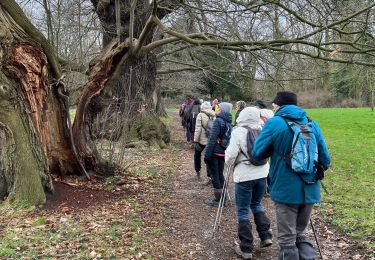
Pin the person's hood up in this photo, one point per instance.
(249, 117)
(205, 105)
(293, 112)
(208, 111)
(206, 108)
(225, 107)
(226, 116)
(267, 113)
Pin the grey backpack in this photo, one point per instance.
(209, 126)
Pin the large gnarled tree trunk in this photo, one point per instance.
(137, 87)
(35, 134)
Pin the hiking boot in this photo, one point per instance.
(198, 175)
(265, 243)
(289, 253)
(216, 201)
(306, 249)
(213, 202)
(263, 228)
(244, 255)
(246, 237)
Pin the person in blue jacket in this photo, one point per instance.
(293, 198)
(214, 156)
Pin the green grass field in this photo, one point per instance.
(350, 137)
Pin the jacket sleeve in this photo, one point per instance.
(262, 148)
(323, 154)
(232, 151)
(212, 139)
(198, 128)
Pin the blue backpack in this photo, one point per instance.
(303, 156)
(225, 140)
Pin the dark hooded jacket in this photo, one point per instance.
(222, 121)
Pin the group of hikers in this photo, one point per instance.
(280, 151)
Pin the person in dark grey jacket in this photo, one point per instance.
(214, 155)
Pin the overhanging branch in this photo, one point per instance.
(272, 44)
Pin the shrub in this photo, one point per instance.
(350, 102)
(316, 99)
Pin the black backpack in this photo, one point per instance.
(186, 115)
(195, 110)
(252, 135)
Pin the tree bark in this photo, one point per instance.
(27, 123)
(100, 74)
(35, 133)
(137, 88)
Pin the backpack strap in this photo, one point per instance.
(287, 158)
(205, 128)
(245, 153)
(248, 158)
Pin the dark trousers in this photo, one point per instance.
(197, 158)
(215, 169)
(189, 135)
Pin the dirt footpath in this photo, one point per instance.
(189, 232)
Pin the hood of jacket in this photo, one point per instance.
(226, 116)
(208, 112)
(249, 117)
(293, 112)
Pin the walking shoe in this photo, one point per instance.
(198, 175)
(265, 243)
(213, 202)
(244, 255)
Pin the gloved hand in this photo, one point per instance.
(197, 147)
(207, 160)
(319, 172)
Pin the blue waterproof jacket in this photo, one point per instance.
(276, 138)
(218, 130)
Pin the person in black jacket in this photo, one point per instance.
(214, 156)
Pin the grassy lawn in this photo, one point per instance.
(350, 137)
(171, 109)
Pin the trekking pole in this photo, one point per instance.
(219, 212)
(324, 187)
(316, 238)
(226, 181)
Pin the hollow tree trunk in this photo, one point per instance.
(137, 88)
(33, 137)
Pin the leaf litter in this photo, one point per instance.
(154, 210)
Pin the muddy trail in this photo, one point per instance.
(153, 210)
(191, 221)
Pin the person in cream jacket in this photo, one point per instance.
(250, 185)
